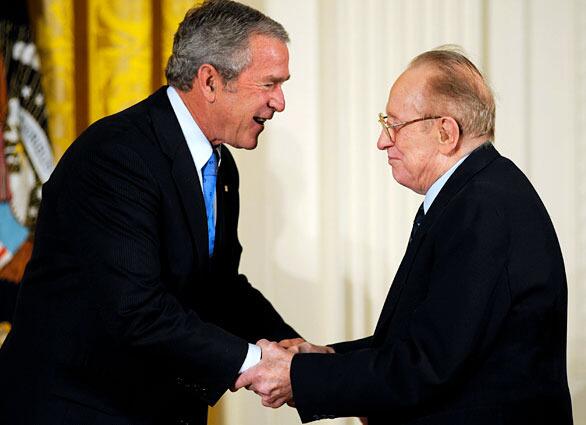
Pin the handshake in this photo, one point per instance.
(270, 378)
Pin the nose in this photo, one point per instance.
(384, 141)
(277, 100)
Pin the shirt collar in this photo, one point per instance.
(198, 144)
(435, 188)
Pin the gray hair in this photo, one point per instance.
(460, 88)
(217, 33)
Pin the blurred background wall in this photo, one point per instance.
(323, 223)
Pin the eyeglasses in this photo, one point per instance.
(393, 129)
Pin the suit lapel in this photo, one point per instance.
(220, 208)
(398, 284)
(187, 182)
(172, 141)
(478, 159)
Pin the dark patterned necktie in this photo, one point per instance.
(417, 222)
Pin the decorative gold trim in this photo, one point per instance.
(4, 330)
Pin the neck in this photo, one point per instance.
(447, 161)
(199, 111)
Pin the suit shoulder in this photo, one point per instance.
(504, 180)
(130, 129)
(501, 189)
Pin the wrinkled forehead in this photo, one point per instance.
(269, 55)
(407, 94)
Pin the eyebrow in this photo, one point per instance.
(276, 79)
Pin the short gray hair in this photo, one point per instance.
(217, 33)
(460, 88)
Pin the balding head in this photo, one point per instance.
(455, 86)
(439, 110)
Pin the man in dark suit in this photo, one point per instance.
(8, 291)
(132, 309)
(473, 330)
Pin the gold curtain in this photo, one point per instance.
(99, 57)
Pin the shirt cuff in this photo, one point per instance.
(252, 358)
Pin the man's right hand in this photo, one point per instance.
(299, 345)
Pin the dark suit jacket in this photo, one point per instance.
(122, 317)
(8, 291)
(473, 330)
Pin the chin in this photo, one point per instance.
(250, 144)
(401, 179)
(243, 144)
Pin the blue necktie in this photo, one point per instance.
(209, 173)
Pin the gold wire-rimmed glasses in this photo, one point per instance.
(392, 129)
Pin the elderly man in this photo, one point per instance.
(132, 310)
(473, 330)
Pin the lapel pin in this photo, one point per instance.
(225, 188)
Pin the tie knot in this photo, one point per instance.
(211, 167)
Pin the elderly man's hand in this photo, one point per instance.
(299, 345)
(270, 378)
(288, 343)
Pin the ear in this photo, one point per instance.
(449, 135)
(208, 80)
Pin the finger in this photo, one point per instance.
(269, 349)
(261, 389)
(294, 349)
(269, 402)
(281, 401)
(262, 342)
(306, 347)
(260, 393)
(244, 380)
(286, 343)
(275, 404)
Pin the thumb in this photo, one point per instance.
(287, 343)
(262, 343)
(244, 380)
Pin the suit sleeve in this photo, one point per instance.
(253, 316)
(466, 303)
(347, 346)
(116, 201)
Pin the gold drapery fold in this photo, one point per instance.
(172, 13)
(119, 54)
(52, 21)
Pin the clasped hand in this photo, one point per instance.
(270, 378)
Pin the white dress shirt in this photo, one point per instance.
(201, 150)
(435, 188)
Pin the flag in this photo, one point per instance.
(26, 157)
